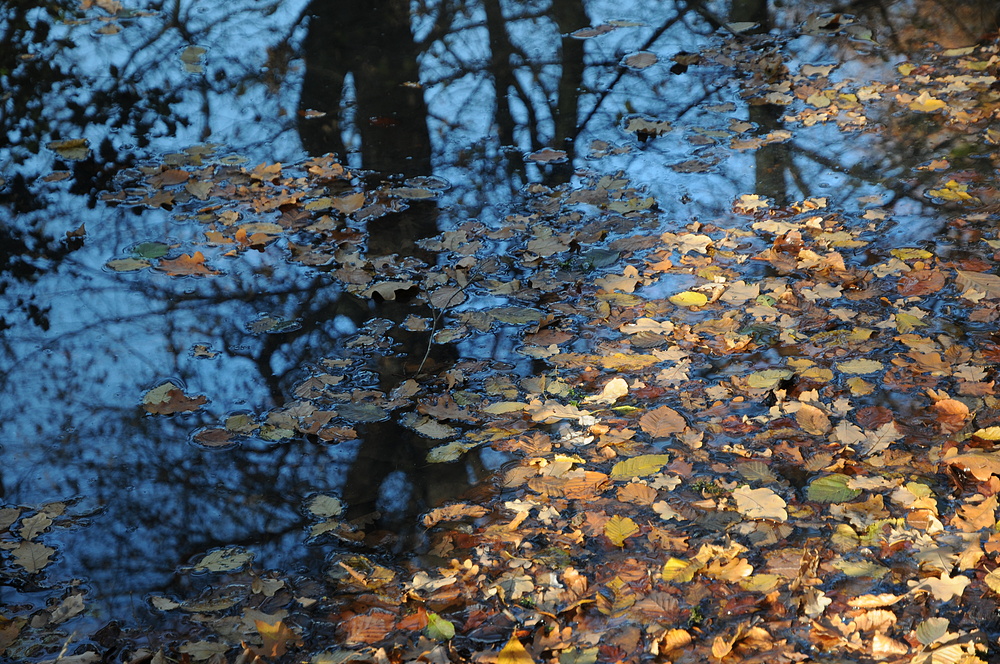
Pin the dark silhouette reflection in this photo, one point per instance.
(371, 45)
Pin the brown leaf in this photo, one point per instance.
(980, 466)
(640, 494)
(662, 422)
(812, 420)
(453, 513)
(920, 282)
(979, 281)
(368, 627)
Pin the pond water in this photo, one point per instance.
(458, 101)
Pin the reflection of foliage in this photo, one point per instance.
(791, 499)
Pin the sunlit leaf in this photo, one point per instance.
(662, 422)
(932, 629)
(926, 103)
(514, 653)
(980, 465)
(450, 451)
(760, 503)
(618, 529)
(689, 299)
(831, 489)
(639, 466)
(860, 366)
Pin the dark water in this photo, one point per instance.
(459, 93)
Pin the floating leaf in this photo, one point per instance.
(639, 466)
(662, 422)
(275, 636)
(760, 503)
(516, 315)
(168, 398)
(812, 419)
(979, 281)
(768, 379)
(860, 366)
(75, 149)
(689, 299)
(618, 529)
(989, 433)
(33, 556)
(756, 470)
(128, 264)
(450, 451)
(980, 465)
(831, 489)
(223, 560)
(187, 265)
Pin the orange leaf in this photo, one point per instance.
(186, 265)
(951, 415)
(368, 627)
(640, 494)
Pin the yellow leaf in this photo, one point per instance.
(689, 299)
(926, 103)
(989, 433)
(514, 653)
(860, 366)
(679, 570)
(993, 580)
(640, 466)
(618, 529)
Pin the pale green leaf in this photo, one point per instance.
(831, 489)
(640, 466)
